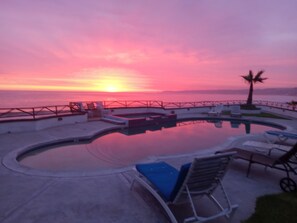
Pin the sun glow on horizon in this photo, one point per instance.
(89, 79)
(111, 85)
(111, 88)
(115, 80)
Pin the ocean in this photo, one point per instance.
(18, 99)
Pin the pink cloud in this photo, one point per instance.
(175, 45)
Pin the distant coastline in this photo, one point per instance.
(265, 91)
(17, 99)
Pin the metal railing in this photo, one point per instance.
(281, 105)
(32, 113)
(133, 104)
(75, 108)
(175, 105)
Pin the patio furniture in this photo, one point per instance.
(266, 147)
(235, 111)
(286, 162)
(216, 111)
(282, 135)
(201, 177)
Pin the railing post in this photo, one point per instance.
(56, 110)
(33, 114)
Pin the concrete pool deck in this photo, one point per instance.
(106, 196)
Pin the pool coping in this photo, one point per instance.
(10, 159)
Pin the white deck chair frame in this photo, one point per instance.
(265, 147)
(205, 170)
(280, 137)
(216, 111)
(235, 111)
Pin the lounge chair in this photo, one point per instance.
(216, 111)
(201, 177)
(286, 162)
(91, 106)
(282, 135)
(100, 107)
(77, 107)
(235, 111)
(266, 147)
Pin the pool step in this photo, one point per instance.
(115, 120)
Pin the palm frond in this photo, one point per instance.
(261, 79)
(249, 77)
(258, 75)
(251, 73)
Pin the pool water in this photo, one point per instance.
(127, 147)
(141, 115)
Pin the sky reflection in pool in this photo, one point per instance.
(116, 150)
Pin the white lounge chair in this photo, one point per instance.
(235, 111)
(91, 106)
(201, 177)
(265, 147)
(281, 136)
(216, 111)
(100, 107)
(76, 107)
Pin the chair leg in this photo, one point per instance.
(287, 171)
(132, 184)
(250, 165)
(158, 197)
(234, 207)
(192, 203)
(227, 212)
(249, 169)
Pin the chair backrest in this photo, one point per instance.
(99, 105)
(91, 106)
(288, 155)
(203, 175)
(282, 134)
(220, 108)
(235, 109)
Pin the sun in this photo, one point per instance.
(111, 84)
(111, 88)
(115, 80)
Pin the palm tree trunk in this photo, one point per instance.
(250, 97)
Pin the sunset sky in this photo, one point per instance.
(146, 45)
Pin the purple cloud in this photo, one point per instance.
(209, 43)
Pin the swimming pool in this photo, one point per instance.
(141, 115)
(145, 119)
(126, 147)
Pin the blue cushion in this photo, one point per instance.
(181, 177)
(164, 177)
(161, 175)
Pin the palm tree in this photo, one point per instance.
(251, 79)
